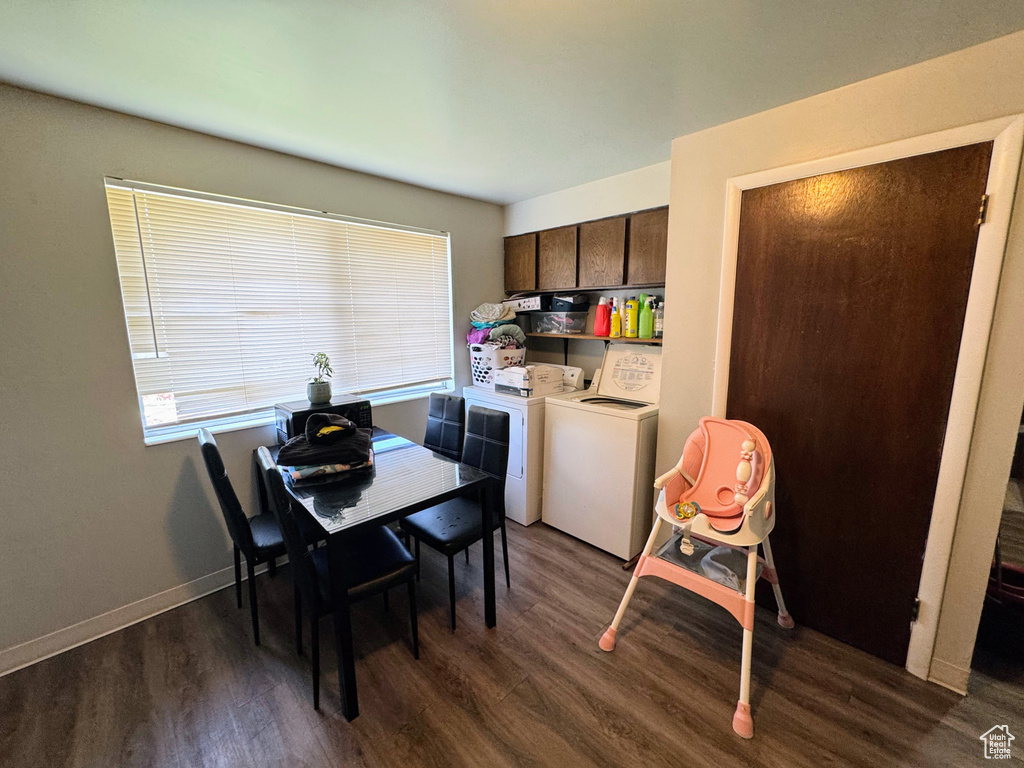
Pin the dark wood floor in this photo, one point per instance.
(1011, 527)
(188, 688)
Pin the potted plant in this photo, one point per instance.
(319, 389)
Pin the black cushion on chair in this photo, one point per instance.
(449, 527)
(266, 535)
(446, 422)
(374, 561)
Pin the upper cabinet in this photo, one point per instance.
(627, 250)
(521, 263)
(556, 258)
(648, 247)
(602, 253)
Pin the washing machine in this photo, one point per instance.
(599, 452)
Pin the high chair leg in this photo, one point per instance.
(607, 642)
(785, 620)
(742, 722)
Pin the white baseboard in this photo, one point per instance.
(32, 651)
(950, 676)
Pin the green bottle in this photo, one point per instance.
(647, 320)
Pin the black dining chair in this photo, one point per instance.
(312, 531)
(454, 525)
(446, 424)
(376, 562)
(257, 537)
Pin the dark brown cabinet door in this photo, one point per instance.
(648, 247)
(851, 290)
(602, 252)
(521, 263)
(556, 258)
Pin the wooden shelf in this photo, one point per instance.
(592, 337)
(588, 289)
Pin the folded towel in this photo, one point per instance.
(509, 330)
(490, 313)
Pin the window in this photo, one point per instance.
(227, 300)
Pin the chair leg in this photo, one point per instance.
(413, 620)
(272, 567)
(417, 559)
(314, 648)
(742, 722)
(238, 577)
(253, 607)
(298, 620)
(784, 619)
(504, 554)
(387, 606)
(467, 555)
(451, 588)
(607, 641)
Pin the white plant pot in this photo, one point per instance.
(318, 392)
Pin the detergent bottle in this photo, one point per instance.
(646, 330)
(615, 322)
(602, 318)
(632, 317)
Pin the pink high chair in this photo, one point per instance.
(720, 495)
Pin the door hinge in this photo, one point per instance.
(915, 612)
(982, 211)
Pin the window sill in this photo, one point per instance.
(266, 418)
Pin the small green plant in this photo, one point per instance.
(322, 363)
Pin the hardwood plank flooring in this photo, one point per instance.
(1011, 526)
(188, 688)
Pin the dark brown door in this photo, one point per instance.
(851, 289)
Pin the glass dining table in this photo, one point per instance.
(406, 478)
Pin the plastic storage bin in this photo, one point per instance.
(485, 359)
(558, 322)
(579, 302)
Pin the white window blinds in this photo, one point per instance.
(226, 301)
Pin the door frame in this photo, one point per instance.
(1007, 135)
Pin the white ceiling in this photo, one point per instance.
(493, 99)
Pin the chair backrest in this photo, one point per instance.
(729, 461)
(279, 500)
(446, 424)
(486, 445)
(234, 516)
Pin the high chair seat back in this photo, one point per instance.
(723, 467)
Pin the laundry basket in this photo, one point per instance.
(485, 359)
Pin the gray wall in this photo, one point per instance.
(92, 519)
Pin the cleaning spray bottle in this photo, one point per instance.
(646, 330)
(615, 322)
